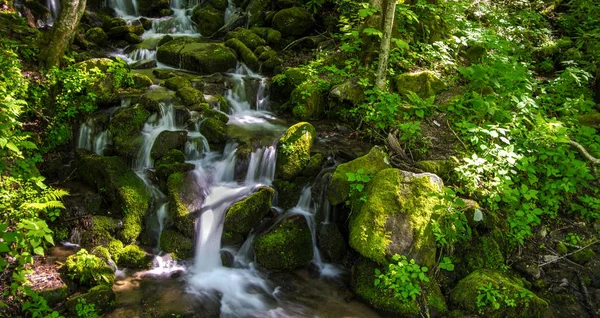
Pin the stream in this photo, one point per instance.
(204, 287)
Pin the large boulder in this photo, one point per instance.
(123, 189)
(194, 55)
(286, 246)
(245, 54)
(248, 37)
(166, 141)
(396, 217)
(424, 83)
(293, 150)
(183, 199)
(294, 21)
(245, 214)
(208, 18)
(107, 85)
(175, 243)
(339, 186)
(214, 130)
(125, 128)
(466, 295)
(309, 100)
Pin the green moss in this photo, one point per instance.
(103, 227)
(133, 38)
(166, 141)
(293, 150)
(178, 211)
(584, 256)
(396, 218)
(288, 193)
(132, 256)
(115, 247)
(245, 214)
(243, 52)
(232, 239)
(294, 21)
(561, 249)
(313, 167)
(88, 269)
(194, 55)
(126, 192)
(211, 113)
(102, 252)
(442, 168)
(479, 253)
(363, 276)
(102, 297)
(152, 99)
(424, 84)
(125, 128)
(191, 96)
(177, 82)
(179, 246)
(250, 39)
(256, 10)
(339, 186)
(310, 101)
(96, 35)
(273, 36)
(287, 246)
(214, 130)
(208, 19)
(55, 295)
(591, 120)
(464, 295)
(141, 81)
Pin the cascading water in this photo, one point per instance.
(152, 129)
(262, 166)
(54, 8)
(90, 141)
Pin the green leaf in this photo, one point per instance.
(39, 251)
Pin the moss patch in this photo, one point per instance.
(176, 244)
(293, 150)
(102, 297)
(287, 246)
(125, 128)
(246, 55)
(178, 211)
(132, 256)
(245, 214)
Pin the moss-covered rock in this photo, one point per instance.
(152, 99)
(96, 35)
(466, 293)
(272, 64)
(363, 276)
(348, 92)
(478, 253)
(88, 270)
(196, 56)
(103, 253)
(101, 231)
(442, 168)
(102, 297)
(181, 198)
(287, 246)
(396, 217)
(245, 214)
(55, 295)
(244, 53)
(154, 8)
(125, 128)
(271, 35)
(175, 243)
(123, 189)
(172, 162)
(248, 37)
(132, 256)
(214, 130)
(424, 84)
(106, 86)
(133, 38)
(256, 11)
(289, 80)
(314, 166)
(114, 248)
(309, 100)
(584, 256)
(294, 21)
(212, 113)
(191, 96)
(141, 80)
(293, 150)
(339, 186)
(209, 19)
(166, 141)
(177, 82)
(288, 193)
(331, 242)
(121, 32)
(590, 119)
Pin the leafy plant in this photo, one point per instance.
(85, 310)
(489, 297)
(446, 264)
(358, 184)
(403, 278)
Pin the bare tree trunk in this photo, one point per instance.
(384, 51)
(63, 31)
(369, 45)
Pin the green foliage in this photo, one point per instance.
(89, 269)
(446, 264)
(403, 278)
(358, 182)
(314, 5)
(572, 238)
(451, 226)
(85, 310)
(490, 298)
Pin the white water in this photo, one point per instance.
(152, 128)
(261, 168)
(54, 8)
(85, 137)
(90, 141)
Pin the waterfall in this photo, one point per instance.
(261, 168)
(54, 8)
(85, 137)
(152, 128)
(125, 8)
(101, 140)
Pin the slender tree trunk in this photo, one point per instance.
(384, 51)
(63, 31)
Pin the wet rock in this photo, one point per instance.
(152, 99)
(288, 193)
(133, 38)
(120, 32)
(313, 168)
(293, 150)
(245, 214)
(183, 198)
(191, 96)
(102, 297)
(466, 293)
(425, 84)
(211, 113)
(193, 55)
(209, 19)
(172, 162)
(97, 36)
(125, 191)
(132, 256)
(249, 38)
(331, 242)
(294, 21)
(396, 217)
(125, 130)
(271, 35)
(176, 83)
(244, 53)
(141, 81)
(339, 187)
(166, 141)
(286, 246)
(214, 130)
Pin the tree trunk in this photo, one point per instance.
(369, 44)
(63, 31)
(384, 51)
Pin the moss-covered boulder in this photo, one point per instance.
(396, 217)
(271, 35)
(102, 230)
(102, 297)
(314, 166)
(286, 83)
(96, 35)
(294, 21)
(175, 243)
(245, 214)
(172, 162)
(177, 82)
(166, 141)
(191, 96)
(214, 130)
(219, 115)
(123, 189)
(293, 150)
(348, 92)
(132, 256)
(339, 186)
(288, 193)
(125, 128)
(153, 8)
(248, 37)
(182, 198)
(115, 247)
(88, 270)
(105, 86)
(331, 242)
(196, 56)
(245, 54)
(256, 11)
(56, 294)
(152, 99)
(363, 276)
(309, 100)
(442, 168)
(286, 246)
(466, 294)
(140, 80)
(424, 83)
(209, 19)
(478, 253)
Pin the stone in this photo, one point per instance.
(286, 246)
(190, 96)
(102, 297)
(132, 256)
(208, 19)
(248, 37)
(308, 100)
(425, 84)
(193, 55)
(293, 150)
(180, 247)
(141, 81)
(125, 128)
(294, 21)
(244, 53)
(246, 214)
(331, 242)
(166, 141)
(214, 130)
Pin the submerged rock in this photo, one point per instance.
(425, 83)
(396, 217)
(245, 214)
(286, 246)
(339, 187)
(293, 21)
(293, 150)
(466, 294)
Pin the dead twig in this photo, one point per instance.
(568, 254)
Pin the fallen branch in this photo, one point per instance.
(584, 152)
(568, 254)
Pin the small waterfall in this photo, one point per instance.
(142, 54)
(261, 168)
(231, 9)
(85, 137)
(262, 96)
(75, 237)
(90, 141)
(161, 215)
(237, 95)
(54, 8)
(125, 8)
(100, 142)
(225, 169)
(151, 130)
